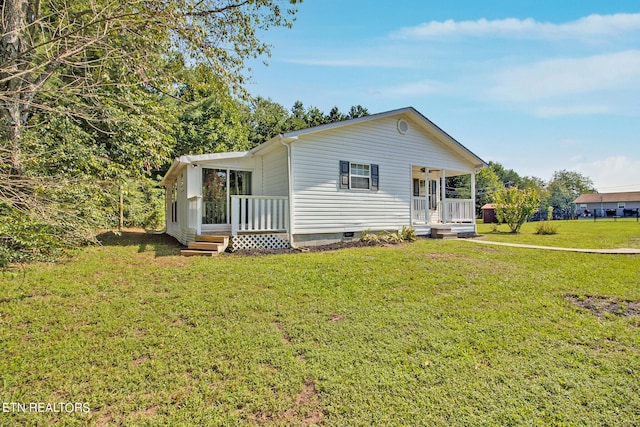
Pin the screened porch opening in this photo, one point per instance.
(218, 185)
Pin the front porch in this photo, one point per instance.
(442, 198)
(248, 221)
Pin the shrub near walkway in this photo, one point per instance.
(429, 333)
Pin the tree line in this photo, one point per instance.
(558, 193)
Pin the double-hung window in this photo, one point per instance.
(358, 176)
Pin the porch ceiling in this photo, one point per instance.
(420, 172)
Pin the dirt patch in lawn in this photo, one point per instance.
(305, 411)
(600, 306)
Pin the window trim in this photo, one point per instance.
(621, 205)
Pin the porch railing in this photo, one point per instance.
(259, 214)
(460, 210)
(418, 210)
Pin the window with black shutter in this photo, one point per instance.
(359, 176)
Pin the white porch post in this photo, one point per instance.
(443, 191)
(235, 215)
(199, 215)
(427, 190)
(473, 194)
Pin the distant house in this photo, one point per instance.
(489, 213)
(608, 204)
(324, 184)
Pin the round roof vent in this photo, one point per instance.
(403, 126)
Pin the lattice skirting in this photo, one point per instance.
(259, 241)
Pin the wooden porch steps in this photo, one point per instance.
(206, 245)
(443, 233)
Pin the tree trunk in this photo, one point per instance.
(12, 45)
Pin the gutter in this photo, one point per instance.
(286, 142)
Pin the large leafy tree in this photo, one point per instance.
(87, 46)
(211, 118)
(564, 187)
(509, 177)
(265, 119)
(99, 74)
(487, 184)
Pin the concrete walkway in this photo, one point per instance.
(617, 251)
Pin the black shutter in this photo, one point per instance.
(375, 177)
(344, 174)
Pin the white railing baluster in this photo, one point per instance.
(250, 215)
(259, 214)
(460, 210)
(268, 214)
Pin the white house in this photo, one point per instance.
(324, 184)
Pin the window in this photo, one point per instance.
(174, 202)
(358, 176)
(621, 205)
(419, 187)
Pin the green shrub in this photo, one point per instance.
(25, 239)
(514, 207)
(546, 227)
(407, 234)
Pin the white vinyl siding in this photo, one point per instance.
(321, 207)
(275, 181)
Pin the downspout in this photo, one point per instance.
(284, 141)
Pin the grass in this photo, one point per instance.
(601, 234)
(428, 333)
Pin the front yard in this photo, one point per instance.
(429, 333)
(601, 234)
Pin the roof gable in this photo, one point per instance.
(427, 125)
(418, 117)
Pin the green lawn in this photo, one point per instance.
(430, 333)
(601, 234)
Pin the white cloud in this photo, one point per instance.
(599, 84)
(560, 77)
(590, 26)
(612, 174)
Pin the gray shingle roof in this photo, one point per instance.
(629, 196)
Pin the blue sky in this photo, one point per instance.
(538, 86)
